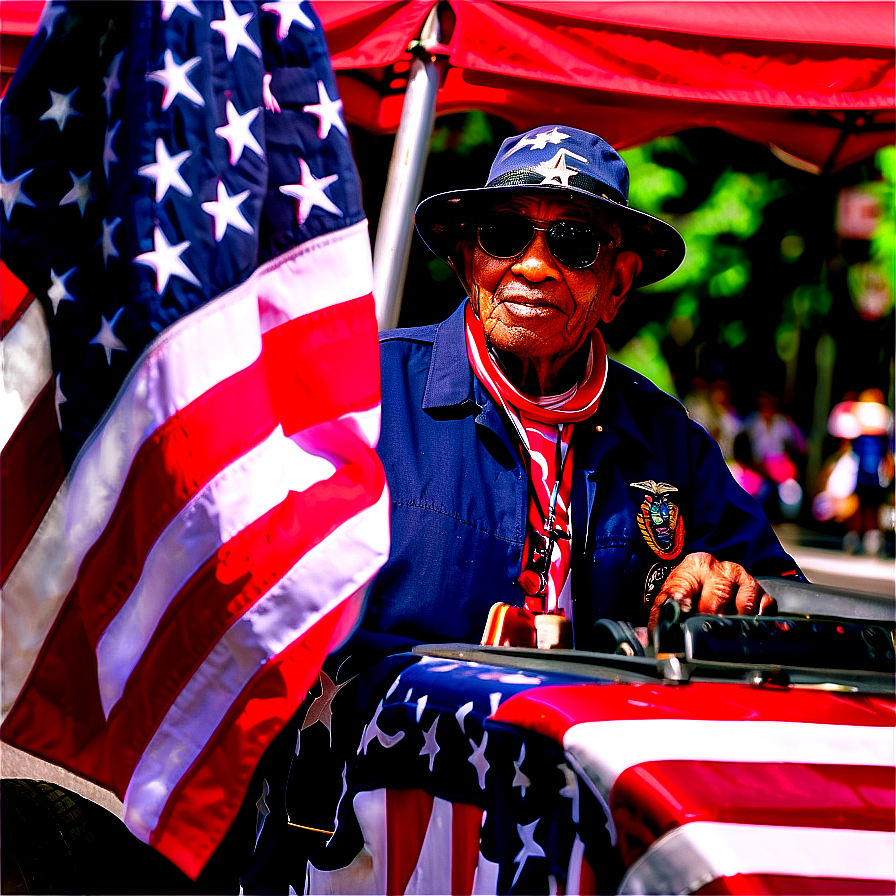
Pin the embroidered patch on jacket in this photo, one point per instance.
(659, 519)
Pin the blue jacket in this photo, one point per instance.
(458, 492)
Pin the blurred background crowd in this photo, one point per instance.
(776, 332)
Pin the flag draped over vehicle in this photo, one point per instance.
(192, 504)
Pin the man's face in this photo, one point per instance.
(533, 306)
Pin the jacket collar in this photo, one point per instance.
(451, 383)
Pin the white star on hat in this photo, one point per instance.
(310, 193)
(556, 168)
(173, 78)
(164, 259)
(58, 292)
(165, 171)
(478, 760)
(60, 109)
(237, 134)
(12, 194)
(226, 211)
(80, 193)
(233, 29)
(289, 11)
(109, 250)
(530, 850)
(328, 112)
(106, 336)
(430, 747)
(538, 141)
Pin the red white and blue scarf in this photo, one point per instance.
(544, 425)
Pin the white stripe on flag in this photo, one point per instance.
(331, 269)
(324, 578)
(695, 854)
(606, 749)
(26, 367)
(238, 495)
(432, 873)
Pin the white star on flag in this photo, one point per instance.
(262, 810)
(328, 113)
(164, 259)
(12, 193)
(289, 11)
(321, 709)
(111, 82)
(421, 705)
(59, 399)
(175, 81)
(226, 211)
(58, 292)
(556, 168)
(108, 153)
(461, 714)
(237, 134)
(530, 850)
(538, 141)
(478, 760)
(372, 732)
(310, 193)
(233, 29)
(165, 171)
(519, 779)
(60, 109)
(430, 747)
(80, 193)
(170, 6)
(109, 250)
(106, 336)
(571, 789)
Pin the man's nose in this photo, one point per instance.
(536, 263)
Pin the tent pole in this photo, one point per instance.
(405, 179)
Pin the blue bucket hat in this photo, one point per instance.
(571, 163)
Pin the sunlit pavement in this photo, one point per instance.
(832, 566)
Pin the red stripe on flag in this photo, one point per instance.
(553, 710)
(789, 884)
(466, 827)
(222, 590)
(187, 451)
(407, 818)
(200, 810)
(324, 364)
(32, 471)
(650, 799)
(14, 299)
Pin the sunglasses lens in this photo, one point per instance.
(573, 244)
(505, 234)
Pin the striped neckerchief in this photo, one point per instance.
(544, 426)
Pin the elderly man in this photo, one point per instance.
(524, 467)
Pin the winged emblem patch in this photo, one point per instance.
(659, 519)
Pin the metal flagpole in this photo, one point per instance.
(405, 179)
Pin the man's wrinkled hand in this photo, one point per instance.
(706, 585)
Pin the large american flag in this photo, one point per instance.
(192, 504)
(435, 774)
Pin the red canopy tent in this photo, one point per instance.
(815, 79)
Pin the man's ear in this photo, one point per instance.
(626, 266)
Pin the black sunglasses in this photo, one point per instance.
(574, 244)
